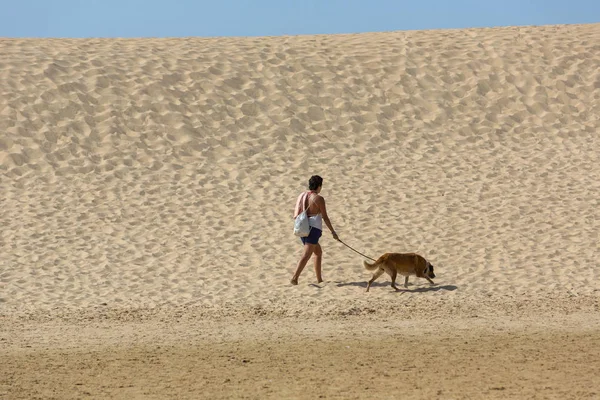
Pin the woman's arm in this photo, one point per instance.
(323, 209)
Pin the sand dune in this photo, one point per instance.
(143, 173)
(151, 171)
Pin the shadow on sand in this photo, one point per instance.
(401, 289)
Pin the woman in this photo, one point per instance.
(317, 213)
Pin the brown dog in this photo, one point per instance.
(405, 264)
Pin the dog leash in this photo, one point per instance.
(372, 259)
(339, 240)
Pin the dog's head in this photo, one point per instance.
(429, 270)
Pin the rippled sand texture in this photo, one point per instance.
(164, 171)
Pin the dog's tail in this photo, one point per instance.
(370, 267)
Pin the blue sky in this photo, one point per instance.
(176, 18)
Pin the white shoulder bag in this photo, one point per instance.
(301, 227)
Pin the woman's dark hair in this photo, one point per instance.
(314, 182)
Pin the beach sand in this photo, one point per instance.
(148, 187)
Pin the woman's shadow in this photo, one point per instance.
(402, 289)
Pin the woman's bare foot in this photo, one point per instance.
(294, 281)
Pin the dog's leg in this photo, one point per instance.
(375, 276)
(406, 281)
(393, 275)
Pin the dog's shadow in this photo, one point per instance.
(402, 289)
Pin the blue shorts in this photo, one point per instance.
(313, 236)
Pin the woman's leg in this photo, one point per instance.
(318, 257)
(308, 251)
